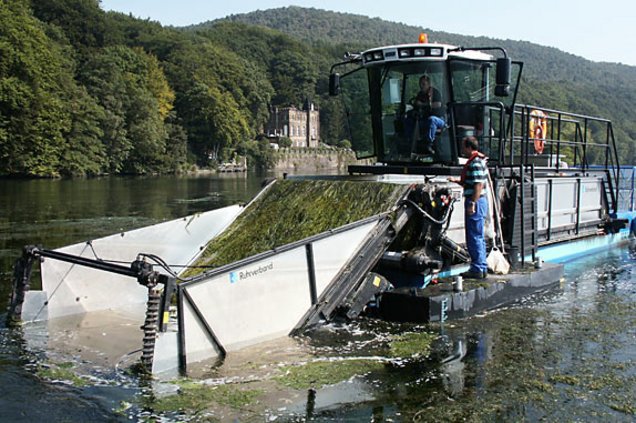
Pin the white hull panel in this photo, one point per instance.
(264, 299)
(71, 289)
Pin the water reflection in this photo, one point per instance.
(568, 356)
(452, 369)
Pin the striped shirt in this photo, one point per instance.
(476, 172)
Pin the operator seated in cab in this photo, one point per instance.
(425, 118)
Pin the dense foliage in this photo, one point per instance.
(85, 92)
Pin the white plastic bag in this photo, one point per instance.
(497, 262)
(490, 229)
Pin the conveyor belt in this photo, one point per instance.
(340, 298)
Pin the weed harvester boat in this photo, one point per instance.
(311, 250)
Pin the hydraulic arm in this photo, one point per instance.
(157, 311)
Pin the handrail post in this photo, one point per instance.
(577, 136)
(578, 205)
(550, 189)
(558, 137)
(502, 135)
(522, 214)
(512, 137)
(533, 196)
(607, 145)
(525, 144)
(618, 165)
(584, 161)
(633, 187)
(551, 162)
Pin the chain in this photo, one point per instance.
(150, 327)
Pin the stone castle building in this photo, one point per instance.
(301, 126)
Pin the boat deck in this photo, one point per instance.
(440, 302)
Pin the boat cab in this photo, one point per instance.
(470, 92)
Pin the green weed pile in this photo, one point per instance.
(293, 210)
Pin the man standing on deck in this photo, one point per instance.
(474, 178)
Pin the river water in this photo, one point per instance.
(569, 355)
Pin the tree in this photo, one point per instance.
(84, 153)
(176, 145)
(293, 78)
(285, 142)
(82, 20)
(136, 97)
(214, 121)
(33, 118)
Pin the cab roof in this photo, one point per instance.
(419, 51)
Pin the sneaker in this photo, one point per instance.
(471, 274)
(429, 150)
(421, 158)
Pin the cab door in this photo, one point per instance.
(355, 104)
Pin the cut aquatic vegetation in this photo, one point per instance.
(198, 396)
(61, 372)
(412, 345)
(322, 373)
(293, 210)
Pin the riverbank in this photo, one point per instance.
(297, 160)
(313, 159)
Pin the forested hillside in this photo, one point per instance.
(86, 92)
(552, 78)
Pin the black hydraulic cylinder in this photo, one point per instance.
(138, 269)
(83, 261)
(21, 284)
(415, 261)
(453, 249)
(170, 286)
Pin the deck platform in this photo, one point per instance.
(440, 302)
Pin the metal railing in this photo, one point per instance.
(585, 141)
(570, 141)
(626, 197)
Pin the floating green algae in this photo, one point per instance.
(293, 210)
(412, 345)
(322, 373)
(61, 372)
(198, 396)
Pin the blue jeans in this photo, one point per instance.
(475, 241)
(430, 126)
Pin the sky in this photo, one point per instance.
(597, 30)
